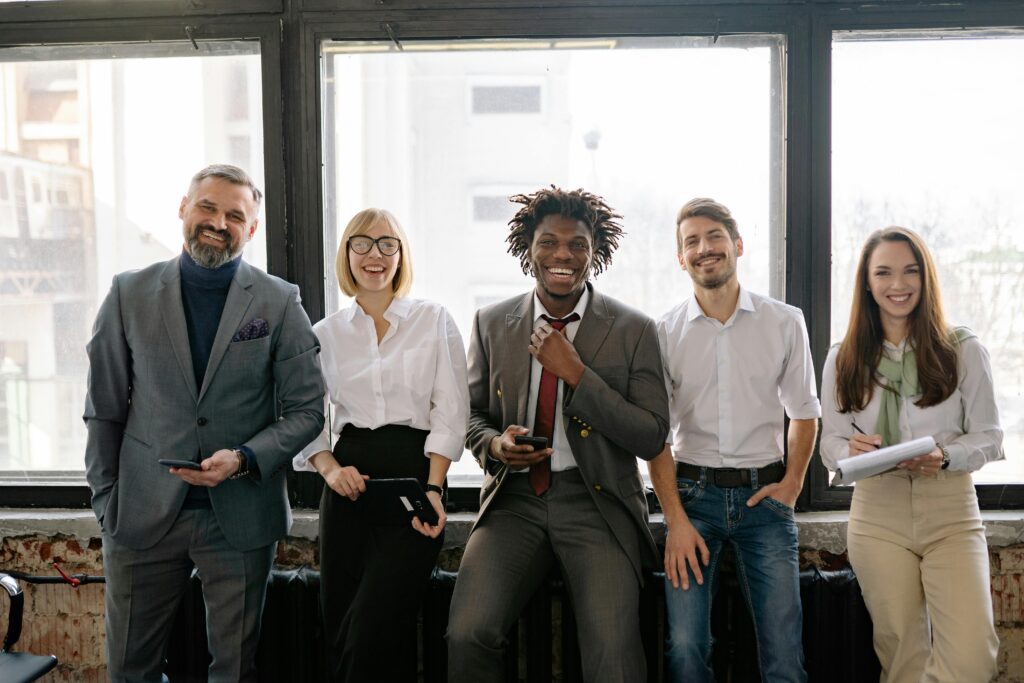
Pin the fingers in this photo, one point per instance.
(864, 443)
(691, 559)
(760, 494)
(528, 458)
(671, 570)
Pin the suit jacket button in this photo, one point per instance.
(584, 433)
(597, 487)
(201, 422)
(499, 393)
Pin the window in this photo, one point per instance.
(96, 154)
(926, 134)
(399, 137)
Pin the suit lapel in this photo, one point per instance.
(172, 312)
(516, 366)
(594, 327)
(235, 307)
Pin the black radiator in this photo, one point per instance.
(543, 647)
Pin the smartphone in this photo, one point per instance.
(183, 464)
(539, 443)
(396, 501)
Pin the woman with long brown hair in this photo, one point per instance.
(915, 536)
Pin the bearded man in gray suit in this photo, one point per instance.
(202, 358)
(584, 372)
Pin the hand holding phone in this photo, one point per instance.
(182, 464)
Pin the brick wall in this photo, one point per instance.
(68, 622)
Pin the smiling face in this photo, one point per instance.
(894, 279)
(373, 271)
(561, 255)
(708, 252)
(217, 220)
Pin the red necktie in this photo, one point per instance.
(544, 419)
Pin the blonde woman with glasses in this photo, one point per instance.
(397, 405)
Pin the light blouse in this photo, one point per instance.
(966, 423)
(415, 376)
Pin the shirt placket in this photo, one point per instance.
(726, 419)
(377, 376)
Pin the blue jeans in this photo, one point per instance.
(764, 541)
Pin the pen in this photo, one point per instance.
(862, 432)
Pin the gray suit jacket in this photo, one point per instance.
(143, 404)
(618, 412)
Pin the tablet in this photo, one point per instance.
(396, 501)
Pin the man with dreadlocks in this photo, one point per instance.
(583, 372)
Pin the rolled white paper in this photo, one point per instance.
(849, 470)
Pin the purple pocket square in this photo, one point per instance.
(257, 328)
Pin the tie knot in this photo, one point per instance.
(560, 323)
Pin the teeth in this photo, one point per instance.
(560, 271)
(213, 235)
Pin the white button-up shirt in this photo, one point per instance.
(562, 458)
(729, 382)
(416, 376)
(966, 423)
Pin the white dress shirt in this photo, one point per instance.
(416, 376)
(562, 458)
(729, 382)
(966, 423)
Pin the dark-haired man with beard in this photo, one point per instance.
(737, 363)
(582, 371)
(204, 359)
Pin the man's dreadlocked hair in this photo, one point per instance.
(590, 209)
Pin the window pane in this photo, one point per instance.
(927, 134)
(442, 133)
(95, 155)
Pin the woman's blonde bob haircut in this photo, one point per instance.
(362, 223)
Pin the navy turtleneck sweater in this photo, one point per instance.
(203, 293)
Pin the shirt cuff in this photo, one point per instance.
(444, 444)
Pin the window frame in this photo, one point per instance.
(290, 33)
(818, 495)
(85, 23)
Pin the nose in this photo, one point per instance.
(562, 251)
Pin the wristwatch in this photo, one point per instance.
(435, 488)
(243, 465)
(945, 457)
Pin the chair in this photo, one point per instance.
(19, 667)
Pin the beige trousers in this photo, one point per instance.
(918, 547)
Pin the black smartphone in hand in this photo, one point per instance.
(183, 464)
(539, 443)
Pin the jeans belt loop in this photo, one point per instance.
(753, 478)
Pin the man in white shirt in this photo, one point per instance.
(735, 361)
(589, 380)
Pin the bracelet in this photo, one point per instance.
(435, 488)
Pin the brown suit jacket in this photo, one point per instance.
(619, 411)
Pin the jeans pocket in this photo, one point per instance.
(778, 507)
(689, 490)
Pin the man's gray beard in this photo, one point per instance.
(208, 256)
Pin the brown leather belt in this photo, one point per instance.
(731, 477)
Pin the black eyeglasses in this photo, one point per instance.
(361, 244)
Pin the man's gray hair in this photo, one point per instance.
(232, 174)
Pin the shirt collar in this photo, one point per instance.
(580, 308)
(744, 302)
(399, 309)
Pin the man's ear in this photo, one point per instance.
(181, 207)
(252, 228)
(682, 261)
(739, 246)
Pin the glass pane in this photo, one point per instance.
(96, 152)
(443, 132)
(927, 134)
